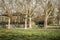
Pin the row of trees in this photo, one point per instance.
(31, 9)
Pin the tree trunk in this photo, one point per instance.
(26, 22)
(45, 23)
(59, 22)
(9, 24)
(30, 25)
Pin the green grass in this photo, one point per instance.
(21, 34)
(53, 27)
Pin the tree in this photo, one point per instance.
(58, 15)
(47, 10)
(28, 7)
(8, 10)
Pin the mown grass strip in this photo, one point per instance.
(30, 34)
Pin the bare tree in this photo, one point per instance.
(47, 10)
(58, 15)
(8, 10)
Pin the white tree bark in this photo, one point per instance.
(26, 22)
(30, 20)
(45, 23)
(9, 24)
(59, 22)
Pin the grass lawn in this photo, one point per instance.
(32, 34)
